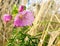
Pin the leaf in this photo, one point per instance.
(46, 40)
(14, 10)
(10, 44)
(14, 31)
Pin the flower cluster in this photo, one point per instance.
(23, 17)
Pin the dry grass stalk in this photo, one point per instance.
(38, 16)
(53, 36)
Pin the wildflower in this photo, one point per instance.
(6, 17)
(21, 8)
(24, 18)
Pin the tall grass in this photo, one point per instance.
(46, 26)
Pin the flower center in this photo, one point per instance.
(21, 16)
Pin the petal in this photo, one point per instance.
(18, 23)
(29, 18)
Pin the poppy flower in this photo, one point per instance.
(24, 18)
(6, 17)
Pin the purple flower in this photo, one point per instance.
(6, 17)
(21, 8)
(24, 18)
